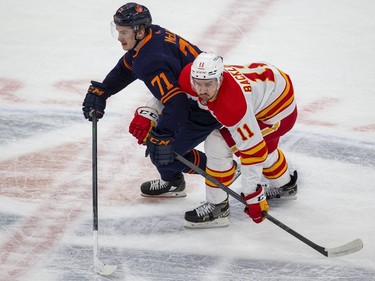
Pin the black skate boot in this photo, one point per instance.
(287, 191)
(160, 188)
(208, 215)
(237, 171)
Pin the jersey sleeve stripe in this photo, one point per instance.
(270, 130)
(254, 155)
(126, 64)
(285, 99)
(229, 140)
(171, 94)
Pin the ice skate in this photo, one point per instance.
(160, 188)
(287, 191)
(208, 215)
(237, 171)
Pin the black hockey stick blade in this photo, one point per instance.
(349, 248)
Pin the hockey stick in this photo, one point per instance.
(99, 267)
(348, 248)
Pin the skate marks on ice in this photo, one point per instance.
(331, 147)
(16, 125)
(74, 261)
(135, 264)
(138, 260)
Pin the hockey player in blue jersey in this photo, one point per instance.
(170, 121)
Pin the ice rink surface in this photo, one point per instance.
(49, 52)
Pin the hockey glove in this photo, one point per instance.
(96, 97)
(256, 204)
(160, 148)
(145, 118)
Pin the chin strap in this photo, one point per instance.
(136, 29)
(136, 40)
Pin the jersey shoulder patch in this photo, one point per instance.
(230, 105)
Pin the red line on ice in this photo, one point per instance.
(61, 205)
(43, 228)
(8, 89)
(237, 19)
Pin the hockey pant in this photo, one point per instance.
(193, 132)
(220, 147)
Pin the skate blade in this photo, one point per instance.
(167, 195)
(292, 197)
(221, 222)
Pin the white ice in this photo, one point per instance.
(50, 50)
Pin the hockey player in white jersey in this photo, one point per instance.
(256, 104)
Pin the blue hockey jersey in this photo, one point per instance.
(158, 63)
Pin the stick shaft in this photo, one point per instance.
(99, 266)
(239, 198)
(210, 178)
(94, 171)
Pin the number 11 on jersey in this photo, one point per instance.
(245, 132)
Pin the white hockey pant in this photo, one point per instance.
(220, 159)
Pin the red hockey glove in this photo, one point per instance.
(145, 118)
(256, 204)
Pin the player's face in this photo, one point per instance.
(126, 37)
(206, 89)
